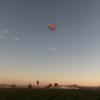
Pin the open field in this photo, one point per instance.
(48, 94)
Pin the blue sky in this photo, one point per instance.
(29, 51)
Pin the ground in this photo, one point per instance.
(48, 94)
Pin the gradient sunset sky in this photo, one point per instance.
(30, 52)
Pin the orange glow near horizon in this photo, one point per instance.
(45, 82)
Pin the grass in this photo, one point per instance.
(48, 94)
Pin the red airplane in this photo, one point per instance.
(52, 27)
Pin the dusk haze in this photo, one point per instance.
(29, 51)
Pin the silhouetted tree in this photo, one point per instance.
(37, 83)
(30, 86)
(49, 86)
(56, 85)
(13, 86)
